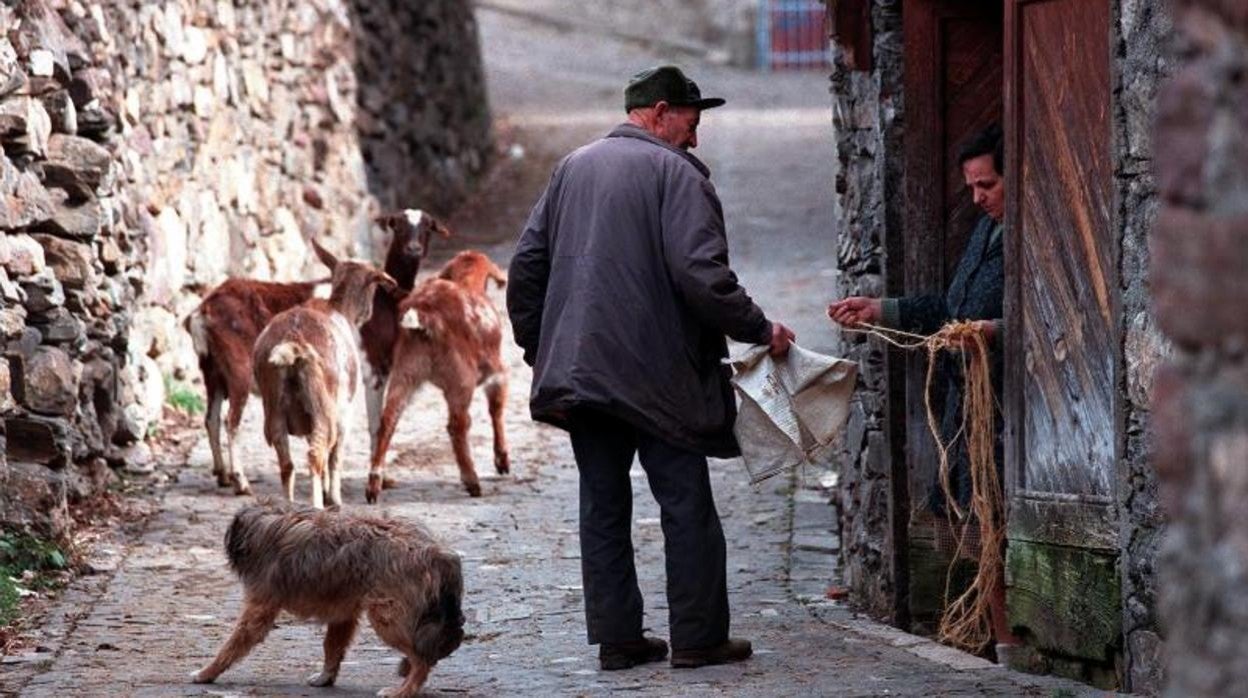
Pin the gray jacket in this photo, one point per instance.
(620, 293)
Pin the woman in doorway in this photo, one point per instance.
(974, 295)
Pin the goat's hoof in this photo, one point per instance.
(223, 480)
(373, 490)
(322, 679)
(404, 667)
(474, 489)
(502, 464)
(198, 677)
(242, 490)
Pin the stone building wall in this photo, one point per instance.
(152, 149)
(867, 117)
(1141, 38)
(1199, 273)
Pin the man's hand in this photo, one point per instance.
(781, 339)
(856, 310)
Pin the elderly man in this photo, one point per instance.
(621, 295)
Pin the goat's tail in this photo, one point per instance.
(195, 326)
(300, 399)
(288, 354)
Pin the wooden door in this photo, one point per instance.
(953, 88)
(1062, 338)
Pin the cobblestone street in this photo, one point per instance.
(162, 603)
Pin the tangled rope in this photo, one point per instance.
(967, 620)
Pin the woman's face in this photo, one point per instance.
(986, 185)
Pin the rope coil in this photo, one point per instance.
(967, 620)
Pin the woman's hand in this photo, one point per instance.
(855, 311)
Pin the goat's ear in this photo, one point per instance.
(386, 284)
(326, 257)
(441, 229)
(498, 275)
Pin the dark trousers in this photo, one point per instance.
(697, 588)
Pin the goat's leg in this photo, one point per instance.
(398, 392)
(374, 392)
(457, 426)
(338, 638)
(212, 422)
(334, 489)
(281, 444)
(253, 625)
(496, 395)
(238, 474)
(317, 452)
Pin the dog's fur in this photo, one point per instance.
(332, 566)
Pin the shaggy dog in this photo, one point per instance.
(332, 566)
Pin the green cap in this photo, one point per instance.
(665, 83)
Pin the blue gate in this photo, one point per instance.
(792, 34)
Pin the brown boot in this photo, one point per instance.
(732, 650)
(625, 655)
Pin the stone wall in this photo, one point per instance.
(867, 114)
(1141, 37)
(151, 149)
(1199, 274)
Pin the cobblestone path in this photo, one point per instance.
(163, 603)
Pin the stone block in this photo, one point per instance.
(35, 439)
(1205, 258)
(25, 255)
(23, 199)
(36, 499)
(43, 292)
(12, 322)
(27, 126)
(61, 111)
(7, 403)
(1186, 108)
(12, 77)
(73, 263)
(78, 163)
(59, 326)
(49, 382)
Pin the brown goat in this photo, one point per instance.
(306, 364)
(225, 325)
(450, 335)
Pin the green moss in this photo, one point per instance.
(1067, 600)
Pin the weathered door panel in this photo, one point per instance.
(1062, 339)
(1061, 287)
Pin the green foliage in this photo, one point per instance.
(19, 553)
(182, 397)
(9, 598)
